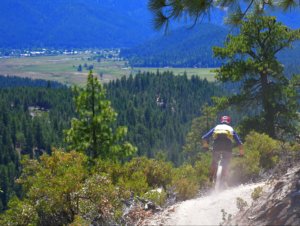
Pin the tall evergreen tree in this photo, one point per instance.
(251, 60)
(94, 132)
(193, 142)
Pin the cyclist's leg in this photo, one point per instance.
(225, 163)
(214, 164)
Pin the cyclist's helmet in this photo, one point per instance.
(225, 119)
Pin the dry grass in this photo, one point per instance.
(63, 68)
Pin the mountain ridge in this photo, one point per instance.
(89, 23)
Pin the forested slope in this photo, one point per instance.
(32, 120)
(157, 109)
(185, 47)
(182, 47)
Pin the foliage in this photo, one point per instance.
(32, 119)
(202, 168)
(100, 199)
(261, 153)
(32, 116)
(257, 193)
(267, 147)
(158, 109)
(93, 132)
(200, 125)
(20, 213)
(251, 60)
(141, 175)
(138, 175)
(158, 196)
(225, 216)
(166, 10)
(13, 81)
(180, 48)
(79, 221)
(185, 182)
(52, 183)
(58, 190)
(241, 204)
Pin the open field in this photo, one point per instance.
(63, 68)
(200, 72)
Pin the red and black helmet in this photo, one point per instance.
(225, 119)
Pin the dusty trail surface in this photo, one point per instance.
(206, 210)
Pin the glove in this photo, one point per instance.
(205, 145)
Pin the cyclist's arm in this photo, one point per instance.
(239, 142)
(206, 136)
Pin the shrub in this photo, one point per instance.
(99, 200)
(202, 168)
(135, 182)
(21, 213)
(79, 221)
(256, 193)
(241, 203)
(158, 173)
(158, 196)
(261, 153)
(245, 169)
(185, 182)
(267, 147)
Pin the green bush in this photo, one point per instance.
(20, 213)
(202, 168)
(99, 199)
(261, 153)
(158, 196)
(267, 147)
(158, 173)
(185, 182)
(245, 169)
(241, 203)
(256, 193)
(135, 182)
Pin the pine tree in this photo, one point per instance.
(93, 132)
(251, 60)
(166, 10)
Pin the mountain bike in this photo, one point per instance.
(219, 182)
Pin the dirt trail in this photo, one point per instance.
(206, 210)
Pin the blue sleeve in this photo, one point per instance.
(236, 138)
(208, 134)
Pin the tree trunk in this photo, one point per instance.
(267, 106)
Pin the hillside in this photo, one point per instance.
(76, 23)
(156, 108)
(182, 47)
(93, 23)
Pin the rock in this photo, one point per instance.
(279, 205)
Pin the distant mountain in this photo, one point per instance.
(186, 47)
(76, 23)
(183, 47)
(89, 23)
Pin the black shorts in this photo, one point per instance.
(226, 157)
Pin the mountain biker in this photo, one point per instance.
(223, 136)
